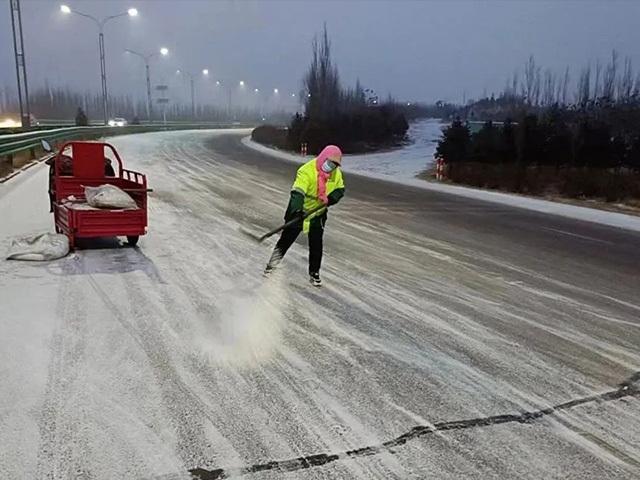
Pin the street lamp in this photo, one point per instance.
(21, 63)
(275, 90)
(228, 86)
(193, 90)
(132, 12)
(164, 52)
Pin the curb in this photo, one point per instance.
(574, 212)
(26, 167)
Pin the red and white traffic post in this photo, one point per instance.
(440, 169)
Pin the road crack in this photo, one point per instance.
(628, 388)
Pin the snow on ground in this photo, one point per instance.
(405, 162)
(143, 363)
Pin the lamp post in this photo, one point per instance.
(241, 84)
(21, 64)
(132, 12)
(164, 52)
(205, 72)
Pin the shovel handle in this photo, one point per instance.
(292, 222)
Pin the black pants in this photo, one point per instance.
(289, 236)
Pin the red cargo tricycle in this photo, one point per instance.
(84, 164)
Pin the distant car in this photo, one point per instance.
(9, 123)
(118, 122)
(13, 121)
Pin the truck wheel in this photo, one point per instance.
(133, 240)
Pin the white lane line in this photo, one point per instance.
(576, 235)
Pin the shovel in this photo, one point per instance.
(262, 238)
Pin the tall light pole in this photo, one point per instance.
(193, 91)
(205, 72)
(163, 51)
(228, 86)
(21, 66)
(132, 12)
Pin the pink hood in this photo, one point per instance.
(328, 151)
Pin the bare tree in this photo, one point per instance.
(529, 79)
(583, 93)
(321, 82)
(549, 88)
(536, 87)
(596, 87)
(625, 84)
(636, 87)
(565, 86)
(506, 92)
(609, 77)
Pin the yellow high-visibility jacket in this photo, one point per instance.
(306, 183)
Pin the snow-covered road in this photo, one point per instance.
(150, 362)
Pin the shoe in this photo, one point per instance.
(268, 271)
(314, 278)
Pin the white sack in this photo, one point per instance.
(109, 196)
(41, 247)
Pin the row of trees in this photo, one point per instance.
(534, 89)
(580, 140)
(549, 140)
(57, 103)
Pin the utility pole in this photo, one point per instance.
(103, 76)
(21, 67)
(149, 104)
(132, 12)
(193, 99)
(147, 57)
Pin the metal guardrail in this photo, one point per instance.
(19, 142)
(57, 124)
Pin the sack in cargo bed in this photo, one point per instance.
(109, 196)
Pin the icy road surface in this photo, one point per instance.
(453, 339)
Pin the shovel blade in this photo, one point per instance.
(252, 235)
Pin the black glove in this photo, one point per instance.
(335, 196)
(293, 215)
(294, 209)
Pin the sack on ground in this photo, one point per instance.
(109, 196)
(41, 247)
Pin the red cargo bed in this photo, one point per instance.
(73, 216)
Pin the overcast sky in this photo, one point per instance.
(417, 50)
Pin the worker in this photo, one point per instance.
(108, 168)
(318, 184)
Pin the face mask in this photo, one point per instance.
(328, 166)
